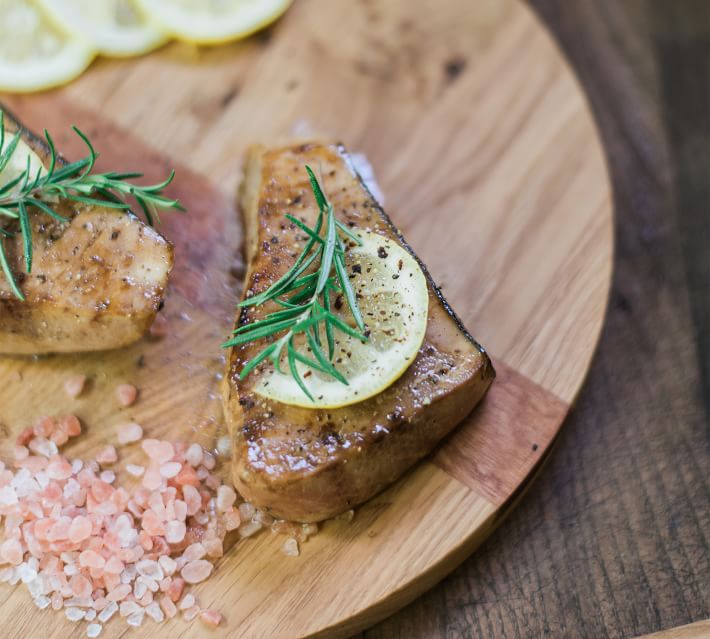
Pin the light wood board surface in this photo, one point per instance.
(697, 630)
(486, 151)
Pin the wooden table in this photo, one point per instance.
(613, 539)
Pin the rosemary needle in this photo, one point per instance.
(304, 297)
(30, 194)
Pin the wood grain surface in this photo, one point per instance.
(504, 193)
(612, 541)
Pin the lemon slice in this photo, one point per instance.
(35, 55)
(19, 161)
(213, 21)
(114, 27)
(394, 302)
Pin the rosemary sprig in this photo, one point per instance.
(304, 295)
(28, 194)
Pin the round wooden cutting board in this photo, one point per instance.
(486, 151)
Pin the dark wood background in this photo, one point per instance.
(613, 540)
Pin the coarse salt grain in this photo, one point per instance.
(188, 601)
(226, 496)
(107, 455)
(168, 607)
(155, 612)
(194, 455)
(126, 395)
(74, 385)
(290, 548)
(109, 611)
(170, 469)
(129, 433)
(136, 619)
(94, 630)
(135, 470)
(74, 614)
(211, 618)
(196, 571)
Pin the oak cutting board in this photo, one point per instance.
(486, 151)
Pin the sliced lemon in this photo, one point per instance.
(213, 21)
(34, 54)
(22, 157)
(394, 302)
(114, 27)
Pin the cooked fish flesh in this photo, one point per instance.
(304, 464)
(96, 283)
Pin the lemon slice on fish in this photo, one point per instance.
(394, 301)
(22, 158)
(213, 21)
(114, 27)
(34, 54)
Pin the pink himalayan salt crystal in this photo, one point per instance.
(119, 593)
(180, 509)
(107, 455)
(152, 524)
(175, 589)
(160, 452)
(196, 571)
(59, 437)
(74, 385)
(214, 547)
(226, 496)
(232, 520)
(59, 469)
(60, 530)
(194, 454)
(57, 601)
(188, 601)
(192, 499)
(209, 461)
(194, 552)
(211, 618)
(11, 552)
(168, 607)
(101, 491)
(114, 565)
(170, 470)
(81, 586)
(168, 564)
(129, 433)
(175, 531)
(152, 480)
(146, 599)
(91, 559)
(126, 395)
(70, 424)
(44, 427)
(135, 470)
(188, 476)
(20, 452)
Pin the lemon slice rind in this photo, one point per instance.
(64, 66)
(199, 26)
(394, 299)
(103, 32)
